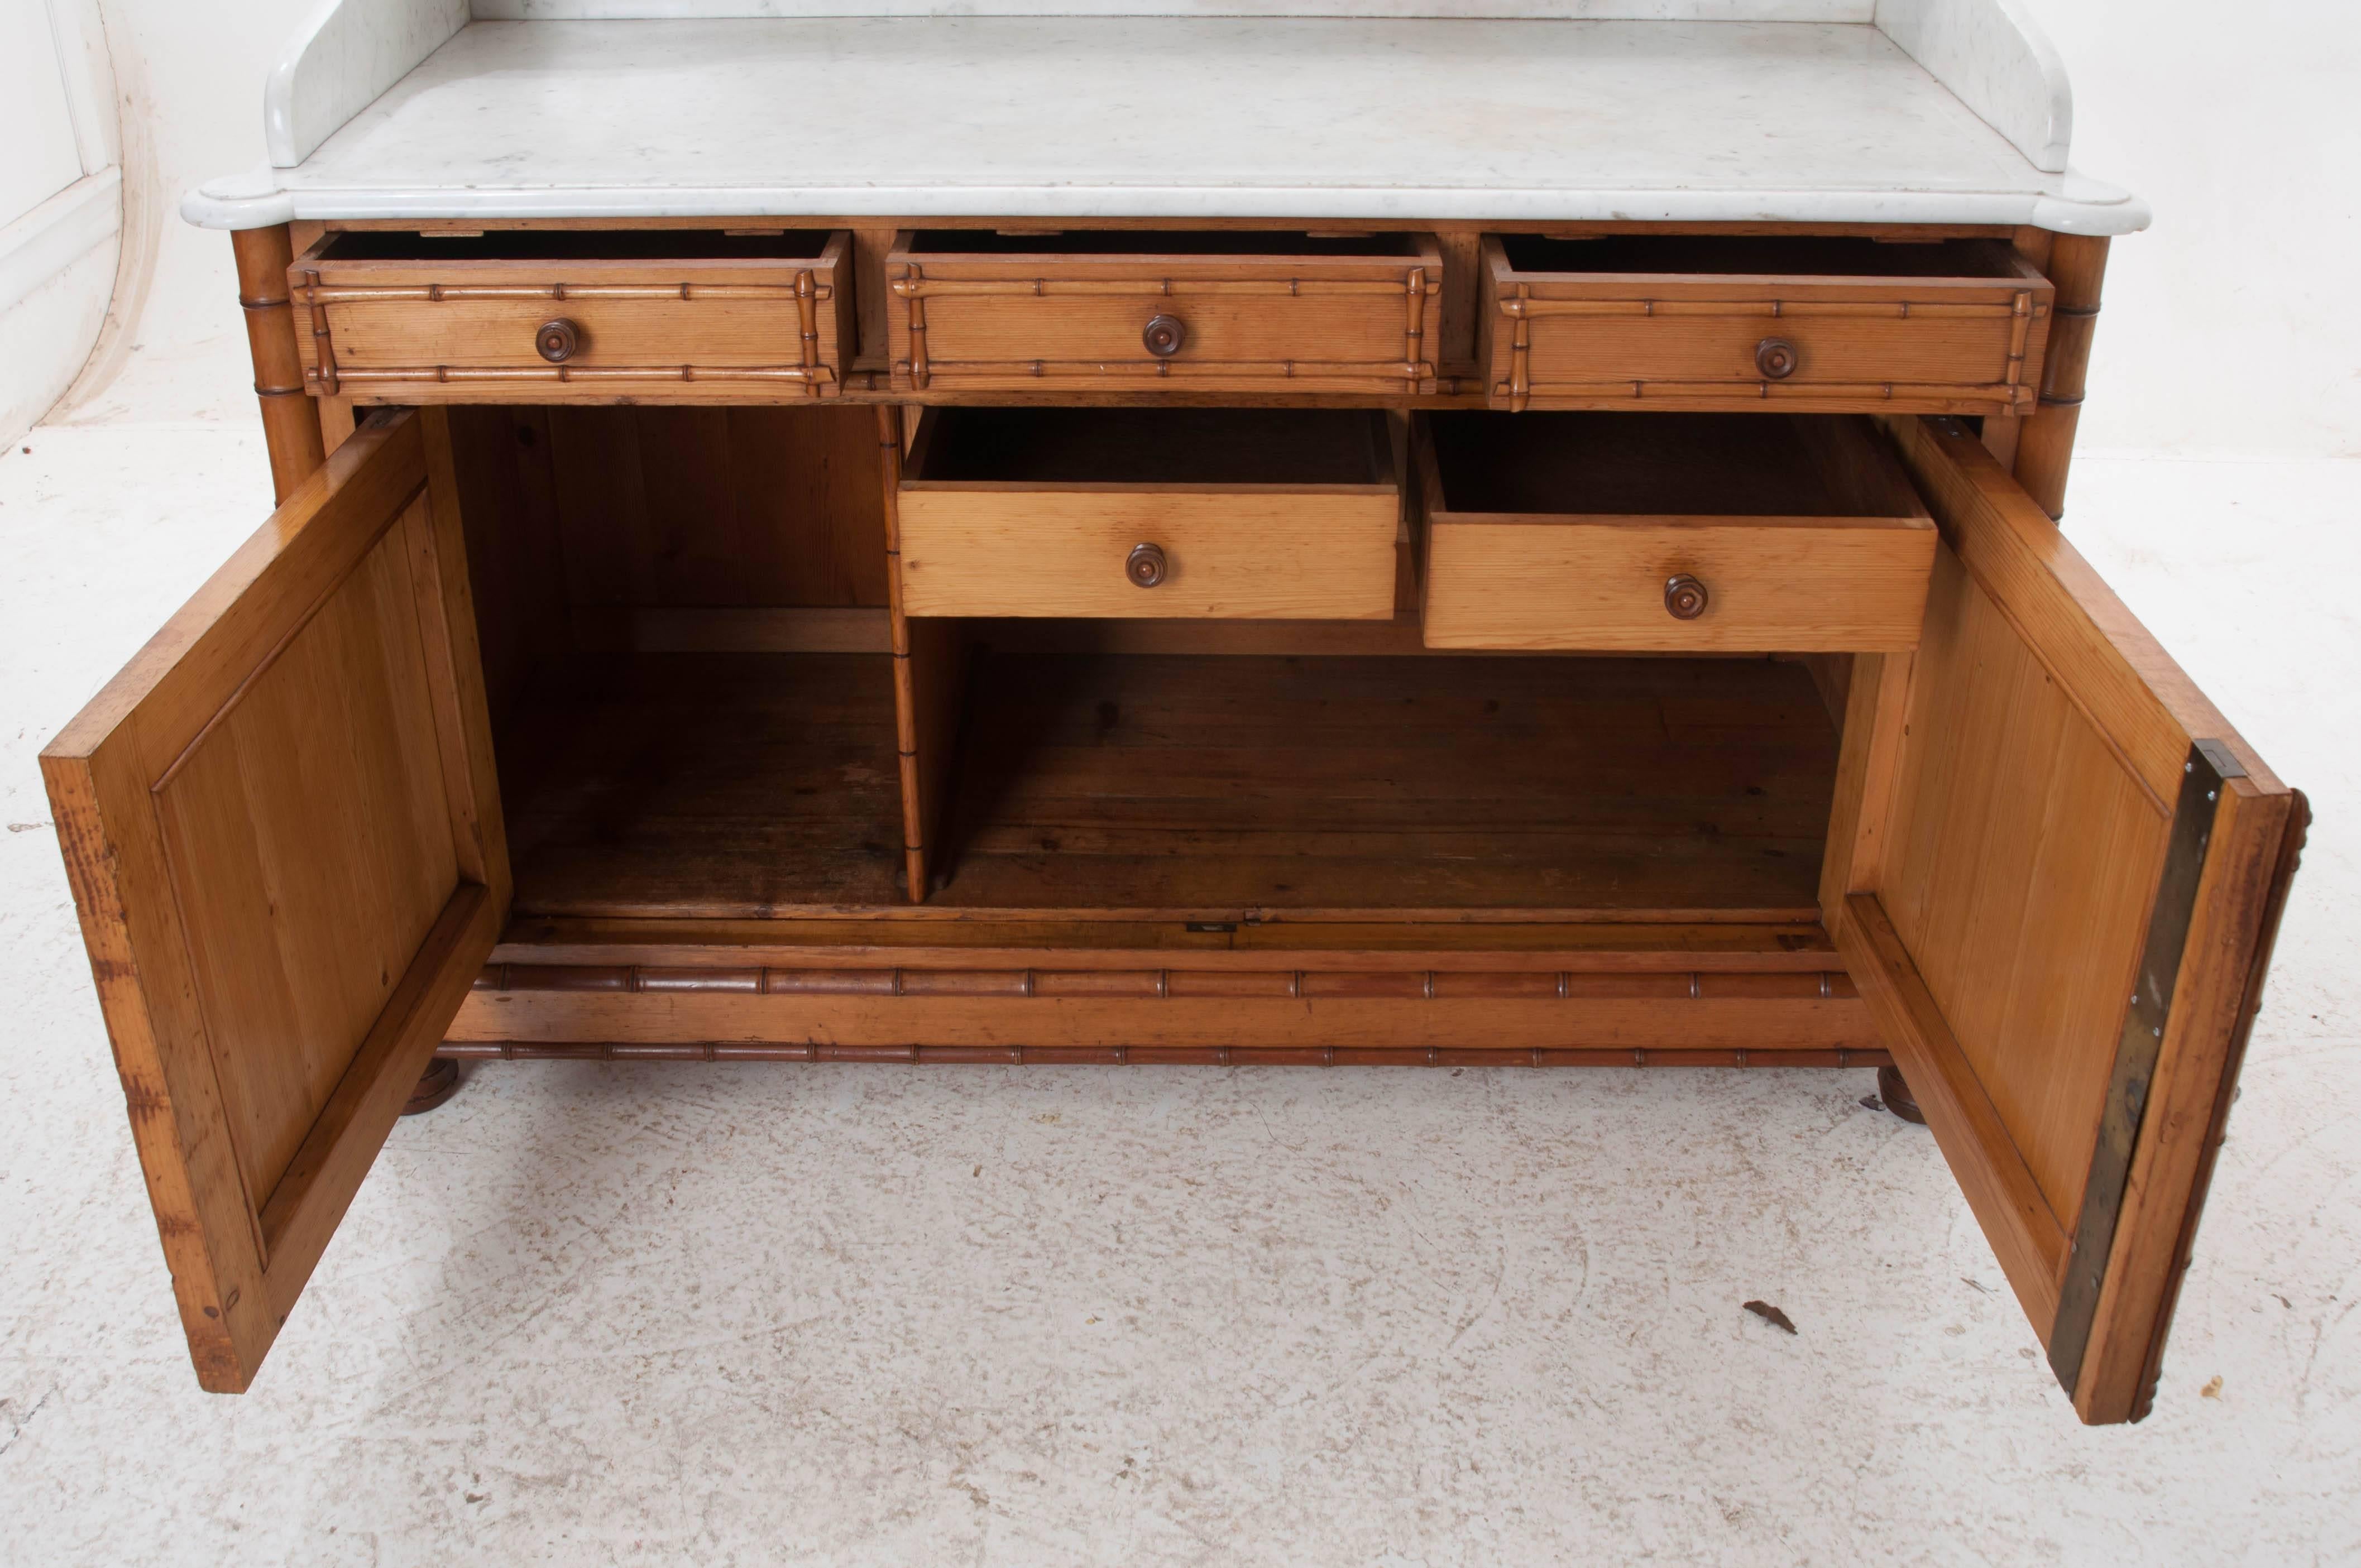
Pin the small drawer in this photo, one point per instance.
(1208, 514)
(574, 315)
(1697, 321)
(1145, 310)
(1670, 532)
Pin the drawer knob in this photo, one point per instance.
(1144, 565)
(558, 340)
(1775, 357)
(1164, 335)
(1684, 597)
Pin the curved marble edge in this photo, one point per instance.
(2079, 205)
(1996, 59)
(346, 54)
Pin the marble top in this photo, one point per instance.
(1075, 118)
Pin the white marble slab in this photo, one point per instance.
(1081, 117)
(1554, 10)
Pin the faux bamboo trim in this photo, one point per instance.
(1993, 397)
(811, 372)
(1522, 306)
(1182, 369)
(1169, 1056)
(324, 372)
(803, 285)
(915, 286)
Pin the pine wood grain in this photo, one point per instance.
(1674, 322)
(1260, 516)
(1998, 927)
(975, 311)
(699, 317)
(1803, 531)
(286, 876)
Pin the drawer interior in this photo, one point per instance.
(1290, 447)
(1763, 255)
(574, 244)
(1634, 465)
(1160, 242)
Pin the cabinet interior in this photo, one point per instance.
(688, 662)
(1759, 256)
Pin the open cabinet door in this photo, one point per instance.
(285, 844)
(2055, 874)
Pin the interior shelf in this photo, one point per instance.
(1205, 787)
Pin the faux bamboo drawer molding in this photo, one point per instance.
(1670, 532)
(575, 315)
(1144, 310)
(1213, 513)
(1712, 322)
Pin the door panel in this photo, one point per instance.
(2055, 874)
(284, 839)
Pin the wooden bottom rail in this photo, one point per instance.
(1161, 1056)
(1412, 1016)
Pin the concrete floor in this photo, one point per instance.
(780, 1314)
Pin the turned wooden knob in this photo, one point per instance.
(558, 341)
(1164, 335)
(1684, 597)
(1144, 565)
(1775, 357)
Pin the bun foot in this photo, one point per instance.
(441, 1080)
(1897, 1097)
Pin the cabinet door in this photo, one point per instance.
(2056, 873)
(285, 844)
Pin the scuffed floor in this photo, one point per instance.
(780, 1314)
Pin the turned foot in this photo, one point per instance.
(438, 1083)
(1897, 1097)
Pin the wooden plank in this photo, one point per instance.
(1071, 311)
(270, 816)
(1665, 320)
(428, 318)
(2246, 871)
(1036, 1022)
(742, 508)
(2108, 664)
(1861, 814)
(1378, 939)
(1982, 1154)
(1064, 553)
(1599, 585)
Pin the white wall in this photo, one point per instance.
(60, 202)
(2228, 326)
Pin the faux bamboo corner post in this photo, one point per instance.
(291, 425)
(2044, 449)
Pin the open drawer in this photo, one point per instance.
(1703, 322)
(1669, 533)
(575, 315)
(1151, 311)
(1209, 513)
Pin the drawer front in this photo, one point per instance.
(1237, 552)
(1919, 345)
(688, 329)
(1755, 584)
(1149, 324)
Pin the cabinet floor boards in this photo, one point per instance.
(726, 786)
